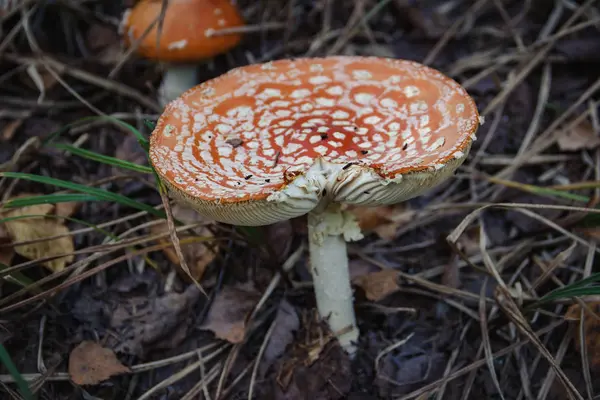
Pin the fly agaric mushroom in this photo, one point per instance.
(269, 142)
(186, 37)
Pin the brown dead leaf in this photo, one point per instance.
(229, 311)
(37, 228)
(378, 285)
(90, 364)
(468, 242)
(591, 329)
(383, 220)
(580, 137)
(141, 322)
(197, 255)
(286, 323)
(9, 130)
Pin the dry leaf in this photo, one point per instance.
(579, 137)
(66, 209)
(591, 329)
(138, 323)
(229, 311)
(197, 255)
(383, 220)
(468, 242)
(90, 364)
(286, 323)
(9, 130)
(6, 253)
(378, 285)
(40, 227)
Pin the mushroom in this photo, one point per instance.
(268, 142)
(186, 37)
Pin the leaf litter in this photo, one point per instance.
(198, 253)
(38, 228)
(91, 364)
(229, 311)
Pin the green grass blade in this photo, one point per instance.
(14, 372)
(101, 194)
(91, 155)
(17, 277)
(542, 191)
(150, 124)
(51, 199)
(142, 140)
(583, 287)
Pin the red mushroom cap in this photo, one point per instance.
(186, 29)
(250, 134)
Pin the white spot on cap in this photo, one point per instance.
(418, 107)
(340, 114)
(325, 102)
(218, 11)
(363, 98)
(460, 108)
(286, 122)
(351, 153)
(225, 151)
(168, 130)
(316, 68)
(223, 128)
(208, 92)
(335, 90)
(339, 135)
(290, 148)
(283, 113)
(221, 22)
(317, 80)
(361, 74)
(241, 112)
(437, 144)
(314, 139)
(372, 120)
(394, 126)
(322, 150)
(300, 93)
(270, 92)
(389, 103)
(411, 91)
(178, 45)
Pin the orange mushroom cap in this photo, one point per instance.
(252, 133)
(186, 29)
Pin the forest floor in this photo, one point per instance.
(449, 285)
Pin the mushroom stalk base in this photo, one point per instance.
(328, 232)
(177, 78)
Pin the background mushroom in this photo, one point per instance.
(186, 37)
(268, 142)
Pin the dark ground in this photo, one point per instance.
(442, 332)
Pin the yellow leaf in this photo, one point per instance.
(40, 228)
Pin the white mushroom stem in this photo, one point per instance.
(328, 231)
(177, 78)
